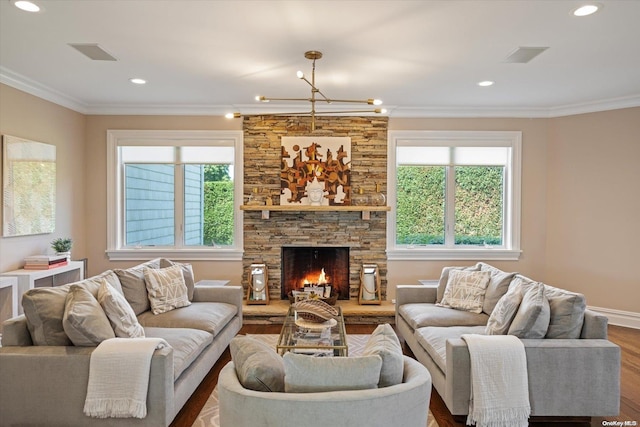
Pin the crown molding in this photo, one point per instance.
(32, 87)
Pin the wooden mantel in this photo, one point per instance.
(265, 209)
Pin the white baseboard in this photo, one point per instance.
(628, 319)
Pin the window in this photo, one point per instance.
(174, 193)
(454, 195)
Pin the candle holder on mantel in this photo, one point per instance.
(258, 290)
(369, 285)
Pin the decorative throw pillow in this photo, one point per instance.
(187, 272)
(84, 321)
(444, 279)
(497, 287)
(305, 374)
(44, 309)
(120, 314)
(532, 318)
(465, 290)
(567, 313)
(166, 289)
(504, 311)
(385, 343)
(134, 287)
(257, 365)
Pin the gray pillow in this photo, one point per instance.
(532, 318)
(444, 278)
(385, 343)
(187, 272)
(498, 286)
(44, 309)
(133, 286)
(257, 365)
(120, 314)
(84, 321)
(504, 311)
(567, 313)
(304, 374)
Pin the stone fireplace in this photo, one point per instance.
(317, 266)
(264, 239)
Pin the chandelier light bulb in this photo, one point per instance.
(300, 75)
(229, 116)
(377, 102)
(27, 6)
(586, 10)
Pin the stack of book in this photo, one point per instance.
(44, 262)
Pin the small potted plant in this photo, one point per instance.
(62, 246)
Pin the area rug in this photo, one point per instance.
(208, 417)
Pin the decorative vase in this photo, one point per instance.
(360, 199)
(378, 199)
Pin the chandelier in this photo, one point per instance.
(316, 96)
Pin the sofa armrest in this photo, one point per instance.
(229, 294)
(47, 385)
(16, 332)
(594, 326)
(567, 377)
(406, 294)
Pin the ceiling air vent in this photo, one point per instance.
(92, 51)
(522, 55)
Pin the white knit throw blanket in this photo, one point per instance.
(499, 385)
(119, 377)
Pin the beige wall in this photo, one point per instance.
(534, 158)
(593, 208)
(96, 183)
(29, 117)
(580, 194)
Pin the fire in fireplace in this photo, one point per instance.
(316, 267)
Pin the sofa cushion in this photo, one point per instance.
(121, 316)
(532, 318)
(187, 272)
(465, 290)
(444, 278)
(434, 340)
(133, 286)
(497, 287)
(211, 317)
(419, 315)
(257, 365)
(44, 308)
(385, 343)
(304, 374)
(84, 321)
(567, 313)
(187, 345)
(504, 312)
(166, 288)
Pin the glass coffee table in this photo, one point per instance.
(324, 339)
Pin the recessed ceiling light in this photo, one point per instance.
(26, 6)
(138, 81)
(485, 83)
(587, 9)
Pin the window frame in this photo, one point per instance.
(510, 250)
(115, 193)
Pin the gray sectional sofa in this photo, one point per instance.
(46, 385)
(573, 370)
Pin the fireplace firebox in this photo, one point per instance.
(315, 266)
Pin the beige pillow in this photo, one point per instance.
(44, 309)
(567, 313)
(120, 314)
(444, 278)
(305, 374)
(84, 321)
(497, 287)
(532, 319)
(187, 272)
(385, 343)
(465, 290)
(257, 365)
(166, 289)
(504, 311)
(134, 287)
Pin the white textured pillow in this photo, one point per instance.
(166, 289)
(121, 316)
(385, 343)
(465, 290)
(84, 321)
(305, 374)
(504, 311)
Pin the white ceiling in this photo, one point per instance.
(423, 58)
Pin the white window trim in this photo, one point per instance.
(115, 250)
(511, 250)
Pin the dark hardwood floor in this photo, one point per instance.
(628, 339)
